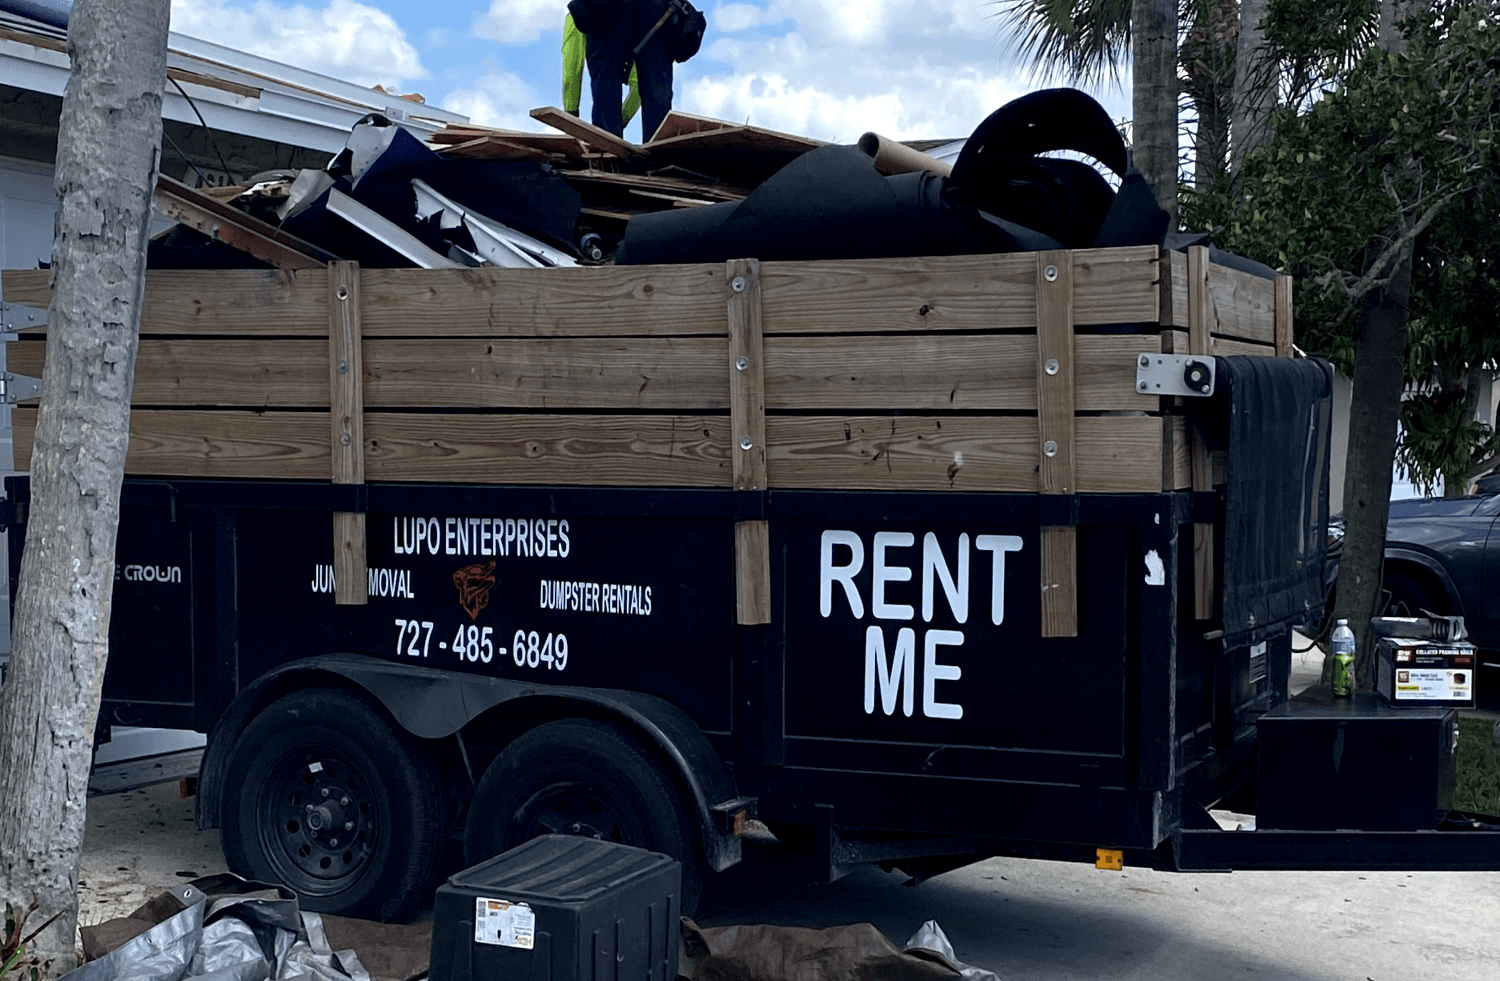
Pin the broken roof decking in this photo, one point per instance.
(236, 92)
(692, 161)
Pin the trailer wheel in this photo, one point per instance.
(325, 795)
(584, 777)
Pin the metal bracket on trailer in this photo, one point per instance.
(19, 316)
(1174, 374)
(18, 388)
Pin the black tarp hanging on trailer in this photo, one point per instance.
(1278, 414)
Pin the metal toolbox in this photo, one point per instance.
(560, 908)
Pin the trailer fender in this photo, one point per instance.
(433, 704)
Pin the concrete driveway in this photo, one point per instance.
(1026, 920)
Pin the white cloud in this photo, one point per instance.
(731, 18)
(909, 69)
(519, 21)
(345, 39)
(496, 98)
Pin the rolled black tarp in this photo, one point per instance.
(1005, 195)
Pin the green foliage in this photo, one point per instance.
(1440, 437)
(13, 944)
(1407, 142)
(1478, 764)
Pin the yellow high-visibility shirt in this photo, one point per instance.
(574, 52)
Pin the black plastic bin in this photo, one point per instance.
(1328, 763)
(560, 908)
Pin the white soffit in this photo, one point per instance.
(239, 92)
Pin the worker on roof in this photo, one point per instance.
(573, 48)
(621, 33)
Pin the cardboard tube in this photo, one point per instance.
(892, 157)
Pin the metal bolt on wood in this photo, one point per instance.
(1051, 366)
(741, 363)
(342, 293)
(1050, 274)
(343, 367)
(746, 442)
(344, 439)
(738, 285)
(1050, 448)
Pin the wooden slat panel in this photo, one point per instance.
(640, 451)
(1244, 305)
(752, 572)
(1284, 321)
(229, 444)
(351, 573)
(345, 373)
(284, 373)
(1177, 314)
(957, 292)
(1115, 454)
(1055, 395)
(1201, 303)
(746, 370)
(951, 293)
(684, 373)
(1116, 286)
(598, 301)
(250, 302)
(1177, 342)
(1059, 560)
(1053, 371)
(651, 373)
(346, 427)
(986, 372)
(1176, 455)
(747, 420)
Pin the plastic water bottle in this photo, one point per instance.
(1342, 649)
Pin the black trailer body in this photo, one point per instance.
(845, 547)
(902, 685)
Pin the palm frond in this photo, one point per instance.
(1076, 40)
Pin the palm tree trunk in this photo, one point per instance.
(1154, 97)
(1253, 87)
(108, 153)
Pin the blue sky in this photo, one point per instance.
(831, 69)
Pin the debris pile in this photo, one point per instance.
(701, 190)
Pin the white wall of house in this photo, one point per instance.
(28, 209)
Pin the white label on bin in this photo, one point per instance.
(504, 924)
(1434, 684)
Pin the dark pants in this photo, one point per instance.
(609, 55)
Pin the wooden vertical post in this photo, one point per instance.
(1284, 333)
(1055, 425)
(346, 402)
(747, 432)
(1201, 319)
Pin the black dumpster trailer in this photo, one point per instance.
(917, 561)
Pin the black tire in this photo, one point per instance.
(1404, 595)
(318, 765)
(584, 777)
